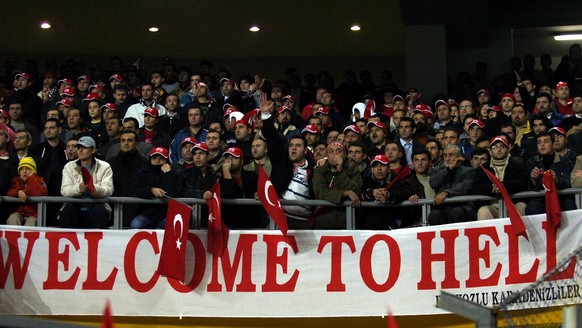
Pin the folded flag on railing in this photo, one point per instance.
(553, 210)
(217, 230)
(516, 221)
(88, 179)
(173, 255)
(270, 200)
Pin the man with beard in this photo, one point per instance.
(508, 170)
(52, 154)
(124, 166)
(284, 125)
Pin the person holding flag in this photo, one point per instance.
(508, 170)
(547, 160)
(87, 177)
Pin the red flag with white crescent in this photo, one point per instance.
(270, 200)
(172, 258)
(217, 230)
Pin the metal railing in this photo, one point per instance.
(197, 203)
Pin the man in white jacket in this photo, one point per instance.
(87, 177)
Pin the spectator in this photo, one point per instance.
(151, 133)
(545, 106)
(147, 101)
(195, 129)
(417, 187)
(89, 178)
(452, 180)
(215, 147)
(124, 166)
(143, 148)
(171, 122)
(52, 153)
(187, 160)
(547, 159)
(336, 181)
(479, 157)
(155, 180)
(26, 184)
(508, 170)
(560, 144)
(113, 127)
(436, 154)
(408, 141)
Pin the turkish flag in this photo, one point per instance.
(516, 221)
(107, 321)
(172, 258)
(217, 230)
(270, 200)
(553, 210)
(87, 179)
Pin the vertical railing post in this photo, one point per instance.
(41, 207)
(350, 218)
(425, 212)
(117, 215)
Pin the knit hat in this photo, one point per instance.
(27, 162)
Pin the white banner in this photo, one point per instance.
(330, 273)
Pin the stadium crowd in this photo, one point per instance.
(89, 132)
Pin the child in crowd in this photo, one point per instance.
(26, 184)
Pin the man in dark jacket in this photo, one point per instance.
(124, 166)
(508, 170)
(154, 180)
(452, 179)
(547, 159)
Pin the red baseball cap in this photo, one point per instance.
(482, 91)
(151, 112)
(398, 98)
(380, 158)
(322, 110)
(65, 102)
(98, 87)
(227, 106)
(282, 109)
(110, 106)
(160, 151)
(479, 123)
(289, 97)
(24, 75)
(92, 96)
(224, 79)
(4, 113)
(311, 128)
(353, 128)
(69, 92)
(558, 86)
(508, 95)
(234, 151)
(558, 130)
(376, 124)
(67, 81)
(501, 139)
(200, 145)
(84, 77)
(116, 77)
(440, 101)
(189, 140)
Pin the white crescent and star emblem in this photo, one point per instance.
(269, 185)
(178, 219)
